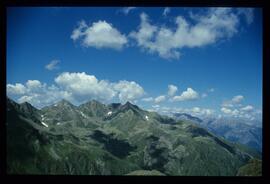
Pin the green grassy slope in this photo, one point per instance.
(131, 139)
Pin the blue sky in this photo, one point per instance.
(212, 56)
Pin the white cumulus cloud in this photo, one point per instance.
(207, 28)
(75, 87)
(33, 84)
(145, 33)
(39, 94)
(197, 111)
(247, 108)
(226, 110)
(234, 101)
(172, 89)
(233, 108)
(128, 91)
(85, 86)
(17, 89)
(237, 99)
(160, 99)
(189, 94)
(79, 31)
(100, 34)
(231, 112)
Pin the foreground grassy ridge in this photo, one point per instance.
(252, 168)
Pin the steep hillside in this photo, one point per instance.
(114, 139)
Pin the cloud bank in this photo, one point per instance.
(233, 102)
(75, 87)
(234, 108)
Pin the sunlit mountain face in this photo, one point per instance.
(134, 91)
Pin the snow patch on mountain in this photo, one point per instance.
(147, 118)
(83, 114)
(44, 124)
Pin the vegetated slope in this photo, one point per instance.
(252, 168)
(34, 149)
(115, 139)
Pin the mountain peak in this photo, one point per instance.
(129, 105)
(64, 102)
(27, 106)
(94, 108)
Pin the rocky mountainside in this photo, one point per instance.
(114, 139)
(234, 130)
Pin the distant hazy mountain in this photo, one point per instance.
(114, 139)
(235, 130)
(185, 116)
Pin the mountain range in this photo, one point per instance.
(117, 139)
(235, 130)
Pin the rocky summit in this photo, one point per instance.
(116, 139)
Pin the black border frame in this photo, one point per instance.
(142, 3)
